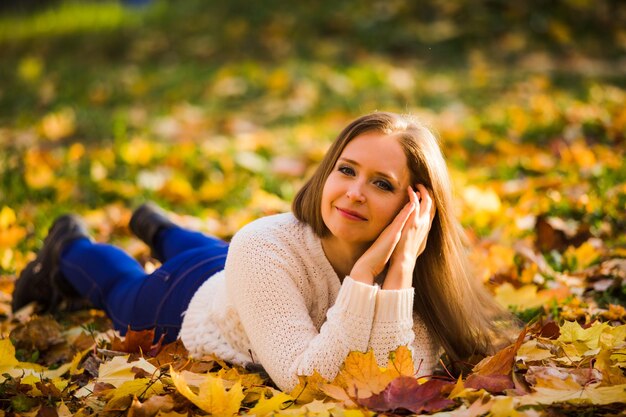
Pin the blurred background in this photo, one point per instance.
(220, 110)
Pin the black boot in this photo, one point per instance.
(146, 222)
(41, 281)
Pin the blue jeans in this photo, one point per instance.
(116, 283)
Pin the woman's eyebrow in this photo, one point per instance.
(388, 176)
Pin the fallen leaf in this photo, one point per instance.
(40, 333)
(405, 393)
(585, 340)
(532, 351)
(117, 371)
(502, 362)
(587, 395)
(139, 341)
(338, 393)
(400, 363)
(494, 383)
(361, 376)
(212, 396)
(309, 388)
(266, 406)
(151, 407)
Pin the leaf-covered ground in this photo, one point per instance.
(219, 113)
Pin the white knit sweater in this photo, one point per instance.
(280, 303)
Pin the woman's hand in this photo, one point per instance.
(412, 241)
(374, 260)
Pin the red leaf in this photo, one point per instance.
(493, 383)
(405, 393)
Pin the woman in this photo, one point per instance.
(371, 257)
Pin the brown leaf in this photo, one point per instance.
(174, 354)
(102, 389)
(45, 411)
(83, 341)
(38, 333)
(405, 393)
(502, 362)
(556, 233)
(151, 406)
(138, 341)
(48, 389)
(140, 372)
(550, 330)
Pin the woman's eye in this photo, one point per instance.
(383, 185)
(346, 170)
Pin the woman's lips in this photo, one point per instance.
(349, 214)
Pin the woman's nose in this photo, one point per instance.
(355, 193)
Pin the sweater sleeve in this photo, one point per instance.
(395, 325)
(262, 278)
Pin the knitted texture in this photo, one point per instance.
(279, 303)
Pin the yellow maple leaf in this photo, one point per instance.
(610, 362)
(271, 405)
(309, 388)
(212, 396)
(117, 371)
(572, 332)
(361, 376)
(619, 357)
(589, 394)
(400, 363)
(246, 379)
(140, 386)
(530, 352)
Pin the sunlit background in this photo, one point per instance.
(220, 110)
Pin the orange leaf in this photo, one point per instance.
(502, 362)
(308, 388)
(137, 342)
(401, 363)
(361, 376)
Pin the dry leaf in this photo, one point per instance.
(212, 396)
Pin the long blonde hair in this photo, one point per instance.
(457, 309)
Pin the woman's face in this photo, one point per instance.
(366, 189)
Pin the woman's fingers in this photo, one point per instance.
(373, 261)
(426, 202)
(397, 225)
